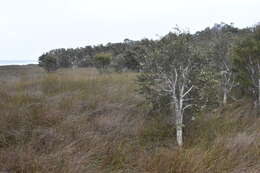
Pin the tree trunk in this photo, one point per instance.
(225, 97)
(179, 128)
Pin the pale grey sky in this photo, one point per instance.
(29, 28)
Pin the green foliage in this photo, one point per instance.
(247, 62)
(126, 61)
(49, 63)
(172, 55)
(102, 60)
(206, 91)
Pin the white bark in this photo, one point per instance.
(178, 88)
(254, 71)
(179, 124)
(227, 82)
(176, 85)
(225, 97)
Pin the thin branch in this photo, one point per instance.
(187, 92)
(187, 106)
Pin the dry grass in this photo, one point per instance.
(81, 121)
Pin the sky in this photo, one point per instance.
(29, 28)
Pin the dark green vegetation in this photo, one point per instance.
(49, 63)
(102, 60)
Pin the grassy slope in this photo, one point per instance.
(80, 121)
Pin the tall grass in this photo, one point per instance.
(82, 121)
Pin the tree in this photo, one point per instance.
(102, 60)
(48, 62)
(247, 63)
(167, 72)
(223, 63)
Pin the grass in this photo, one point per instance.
(82, 121)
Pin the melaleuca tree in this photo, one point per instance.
(117, 63)
(167, 76)
(48, 62)
(127, 60)
(247, 63)
(222, 60)
(215, 44)
(102, 60)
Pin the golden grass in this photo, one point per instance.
(82, 121)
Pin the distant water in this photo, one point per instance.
(17, 62)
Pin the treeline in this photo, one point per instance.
(120, 56)
(129, 54)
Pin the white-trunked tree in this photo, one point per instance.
(224, 64)
(167, 72)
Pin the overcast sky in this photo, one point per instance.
(28, 28)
